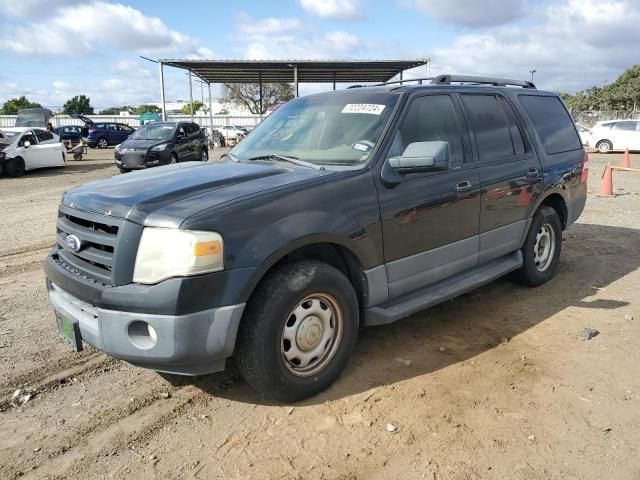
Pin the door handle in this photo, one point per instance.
(464, 186)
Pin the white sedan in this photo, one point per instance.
(30, 148)
(615, 135)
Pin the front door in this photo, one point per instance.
(30, 154)
(430, 220)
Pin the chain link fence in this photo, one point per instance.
(588, 119)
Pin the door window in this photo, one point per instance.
(43, 135)
(492, 130)
(431, 118)
(29, 137)
(627, 125)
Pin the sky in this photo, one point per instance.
(53, 50)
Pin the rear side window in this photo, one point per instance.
(492, 128)
(552, 123)
(627, 125)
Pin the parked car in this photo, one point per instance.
(30, 148)
(231, 132)
(71, 133)
(214, 137)
(105, 134)
(341, 209)
(584, 133)
(615, 135)
(162, 143)
(33, 117)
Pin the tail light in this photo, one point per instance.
(585, 168)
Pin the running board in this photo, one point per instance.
(442, 291)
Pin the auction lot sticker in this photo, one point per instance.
(370, 108)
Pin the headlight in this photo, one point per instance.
(168, 252)
(159, 148)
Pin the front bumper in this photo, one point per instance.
(190, 344)
(139, 159)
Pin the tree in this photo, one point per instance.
(116, 110)
(248, 94)
(197, 105)
(623, 94)
(12, 106)
(78, 104)
(140, 109)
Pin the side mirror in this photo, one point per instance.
(26, 144)
(422, 157)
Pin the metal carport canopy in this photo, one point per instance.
(307, 71)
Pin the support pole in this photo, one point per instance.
(210, 111)
(400, 77)
(260, 82)
(190, 96)
(334, 81)
(429, 68)
(164, 109)
(295, 79)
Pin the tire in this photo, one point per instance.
(103, 143)
(123, 170)
(77, 156)
(286, 304)
(15, 167)
(204, 155)
(604, 146)
(541, 249)
(174, 158)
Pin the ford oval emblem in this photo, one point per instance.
(74, 243)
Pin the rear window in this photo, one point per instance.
(552, 123)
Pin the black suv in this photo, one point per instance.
(342, 209)
(162, 143)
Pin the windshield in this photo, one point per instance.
(12, 136)
(333, 128)
(154, 132)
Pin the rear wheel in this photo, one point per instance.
(123, 170)
(604, 146)
(103, 143)
(15, 167)
(541, 249)
(298, 331)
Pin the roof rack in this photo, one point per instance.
(496, 82)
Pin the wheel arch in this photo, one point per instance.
(556, 201)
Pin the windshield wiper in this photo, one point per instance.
(293, 160)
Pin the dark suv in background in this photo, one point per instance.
(341, 209)
(106, 134)
(162, 143)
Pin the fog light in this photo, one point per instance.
(142, 335)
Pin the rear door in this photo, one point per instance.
(430, 220)
(510, 173)
(626, 135)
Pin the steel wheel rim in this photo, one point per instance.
(311, 334)
(544, 248)
(604, 147)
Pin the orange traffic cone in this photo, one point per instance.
(525, 196)
(626, 161)
(606, 185)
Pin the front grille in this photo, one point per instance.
(98, 235)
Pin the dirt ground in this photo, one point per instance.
(496, 384)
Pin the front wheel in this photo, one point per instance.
(15, 167)
(604, 146)
(298, 331)
(204, 155)
(541, 249)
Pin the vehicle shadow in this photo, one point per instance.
(593, 257)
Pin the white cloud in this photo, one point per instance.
(470, 13)
(333, 9)
(573, 45)
(283, 38)
(78, 29)
(30, 8)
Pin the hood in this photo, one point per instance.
(166, 196)
(140, 144)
